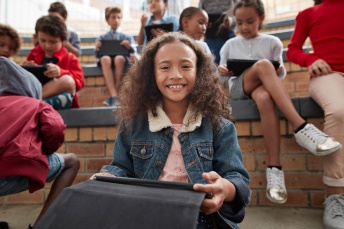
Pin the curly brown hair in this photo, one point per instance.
(6, 30)
(139, 91)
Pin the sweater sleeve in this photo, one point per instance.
(52, 129)
(75, 71)
(295, 52)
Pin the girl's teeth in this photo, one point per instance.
(175, 86)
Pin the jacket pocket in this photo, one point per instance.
(141, 154)
(206, 154)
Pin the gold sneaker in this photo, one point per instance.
(316, 141)
(275, 189)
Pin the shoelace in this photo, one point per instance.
(275, 180)
(337, 208)
(316, 135)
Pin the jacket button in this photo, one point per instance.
(184, 137)
(143, 150)
(158, 164)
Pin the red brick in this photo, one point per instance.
(99, 133)
(94, 165)
(109, 149)
(85, 134)
(86, 149)
(318, 198)
(71, 134)
(252, 145)
(243, 128)
(295, 199)
(304, 180)
(249, 162)
(254, 198)
(314, 163)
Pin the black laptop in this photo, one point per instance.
(238, 66)
(38, 71)
(168, 27)
(112, 48)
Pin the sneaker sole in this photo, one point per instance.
(275, 201)
(327, 152)
(106, 104)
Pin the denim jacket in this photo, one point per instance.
(142, 150)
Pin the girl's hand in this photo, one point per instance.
(98, 45)
(319, 68)
(53, 71)
(144, 19)
(126, 44)
(157, 32)
(106, 174)
(219, 189)
(223, 70)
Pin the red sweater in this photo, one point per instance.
(68, 63)
(29, 128)
(323, 24)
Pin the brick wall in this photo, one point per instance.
(303, 171)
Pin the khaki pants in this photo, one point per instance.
(328, 92)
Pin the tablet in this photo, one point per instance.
(38, 71)
(112, 48)
(144, 182)
(168, 27)
(238, 66)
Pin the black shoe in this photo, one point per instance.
(30, 227)
(4, 225)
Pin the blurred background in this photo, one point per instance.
(87, 16)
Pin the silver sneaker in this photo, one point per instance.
(275, 189)
(334, 212)
(316, 141)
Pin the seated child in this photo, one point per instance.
(171, 130)
(113, 16)
(72, 44)
(31, 131)
(9, 41)
(193, 22)
(63, 67)
(158, 9)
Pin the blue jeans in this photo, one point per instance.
(16, 184)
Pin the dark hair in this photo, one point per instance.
(52, 25)
(6, 30)
(140, 92)
(317, 2)
(58, 7)
(256, 4)
(187, 13)
(111, 10)
(165, 1)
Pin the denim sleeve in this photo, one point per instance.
(122, 164)
(228, 163)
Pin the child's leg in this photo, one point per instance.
(58, 86)
(63, 180)
(263, 73)
(270, 124)
(119, 62)
(108, 75)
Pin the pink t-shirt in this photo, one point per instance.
(174, 169)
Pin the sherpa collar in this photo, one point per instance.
(161, 121)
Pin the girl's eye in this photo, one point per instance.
(164, 67)
(186, 66)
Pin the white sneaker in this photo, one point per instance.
(275, 189)
(334, 212)
(316, 141)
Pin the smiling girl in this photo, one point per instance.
(175, 127)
